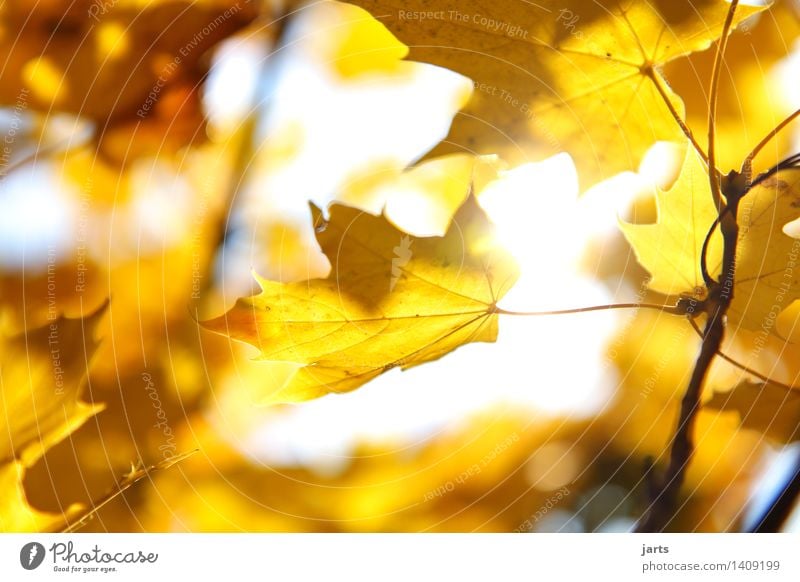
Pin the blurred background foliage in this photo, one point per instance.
(169, 213)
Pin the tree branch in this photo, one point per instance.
(774, 517)
(662, 505)
(732, 186)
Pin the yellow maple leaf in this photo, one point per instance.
(670, 249)
(391, 300)
(766, 279)
(41, 374)
(421, 200)
(358, 46)
(764, 407)
(16, 515)
(575, 75)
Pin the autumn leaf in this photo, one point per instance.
(575, 75)
(766, 281)
(494, 472)
(338, 105)
(391, 300)
(41, 375)
(420, 200)
(360, 47)
(381, 489)
(765, 407)
(423, 199)
(671, 248)
(16, 515)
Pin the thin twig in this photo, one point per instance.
(62, 146)
(748, 161)
(792, 162)
(744, 368)
(136, 475)
(713, 172)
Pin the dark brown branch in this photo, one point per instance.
(775, 516)
(733, 186)
(663, 502)
(662, 505)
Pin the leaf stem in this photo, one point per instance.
(707, 278)
(672, 309)
(658, 81)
